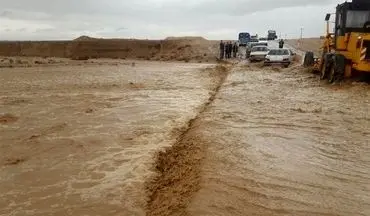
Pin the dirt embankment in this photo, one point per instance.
(178, 167)
(82, 48)
(307, 44)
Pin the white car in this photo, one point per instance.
(263, 40)
(279, 56)
(250, 45)
(258, 53)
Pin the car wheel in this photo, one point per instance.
(308, 59)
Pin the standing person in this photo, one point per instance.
(230, 49)
(281, 43)
(227, 50)
(235, 49)
(222, 50)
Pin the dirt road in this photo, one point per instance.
(82, 140)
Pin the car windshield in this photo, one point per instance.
(279, 52)
(259, 49)
(244, 35)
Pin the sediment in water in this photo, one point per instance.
(178, 168)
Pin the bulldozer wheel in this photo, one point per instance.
(337, 68)
(325, 66)
(308, 59)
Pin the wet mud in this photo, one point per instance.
(178, 167)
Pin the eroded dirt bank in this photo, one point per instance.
(79, 140)
(178, 167)
(170, 49)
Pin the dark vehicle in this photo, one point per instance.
(271, 35)
(254, 38)
(244, 38)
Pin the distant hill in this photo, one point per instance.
(84, 38)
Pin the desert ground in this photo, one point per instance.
(307, 44)
(124, 131)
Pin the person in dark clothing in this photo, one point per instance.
(227, 50)
(230, 49)
(222, 50)
(235, 49)
(281, 43)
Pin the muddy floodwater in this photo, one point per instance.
(240, 140)
(281, 142)
(80, 140)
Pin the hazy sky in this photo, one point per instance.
(156, 19)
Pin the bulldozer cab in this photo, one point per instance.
(351, 17)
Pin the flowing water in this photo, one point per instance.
(82, 140)
(280, 142)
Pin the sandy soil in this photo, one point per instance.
(195, 49)
(307, 44)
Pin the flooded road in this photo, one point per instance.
(80, 140)
(236, 140)
(281, 143)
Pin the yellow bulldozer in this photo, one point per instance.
(346, 50)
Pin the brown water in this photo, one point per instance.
(79, 140)
(279, 142)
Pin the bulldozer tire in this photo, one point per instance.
(325, 66)
(337, 68)
(308, 59)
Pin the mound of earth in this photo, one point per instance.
(82, 48)
(186, 38)
(84, 38)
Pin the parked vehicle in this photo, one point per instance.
(250, 45)
(244, 38)
(263, 40)
(271, 35)
(258, 53)
(254, 38)
(279, 56)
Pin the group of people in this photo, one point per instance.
(228, 50)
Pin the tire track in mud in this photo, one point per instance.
(178, 167)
